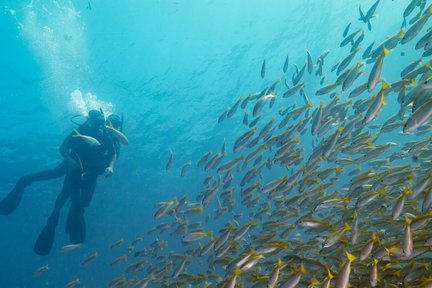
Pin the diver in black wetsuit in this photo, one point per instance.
(82, 164)
(12, 200)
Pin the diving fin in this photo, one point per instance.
(45, 240)
(13, 199)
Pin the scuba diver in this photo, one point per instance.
(91, 150)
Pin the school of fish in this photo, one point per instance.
(352, 209)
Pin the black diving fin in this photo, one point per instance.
(13, 199)
(45, 240)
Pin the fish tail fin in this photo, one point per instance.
(381, 191)
(356, 215)
(350, 256)
(302, 269)
(279, 263)
(408, 220)
(281, 244)
(407, 191)
(329, 274)
(303, 168)
(362, 16)
(347, 226)
(374, 237)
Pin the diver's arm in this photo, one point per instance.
(114, 150)
(109, 171)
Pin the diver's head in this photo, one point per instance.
(115, 121)
(95, 118)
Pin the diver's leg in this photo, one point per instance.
(57, 172)
(75, 198)
(75, 222)
(13, 199)
(87, 190)
(77, 225)
(45, 239)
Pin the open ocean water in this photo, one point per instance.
(172, 68)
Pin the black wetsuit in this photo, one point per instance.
(61, 169)
(79, 183)
(57, 172)
(11, 202)
(80, 180)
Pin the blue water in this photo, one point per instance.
(172, 67)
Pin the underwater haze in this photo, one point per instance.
(172, 68)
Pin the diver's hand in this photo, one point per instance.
(109, 172)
